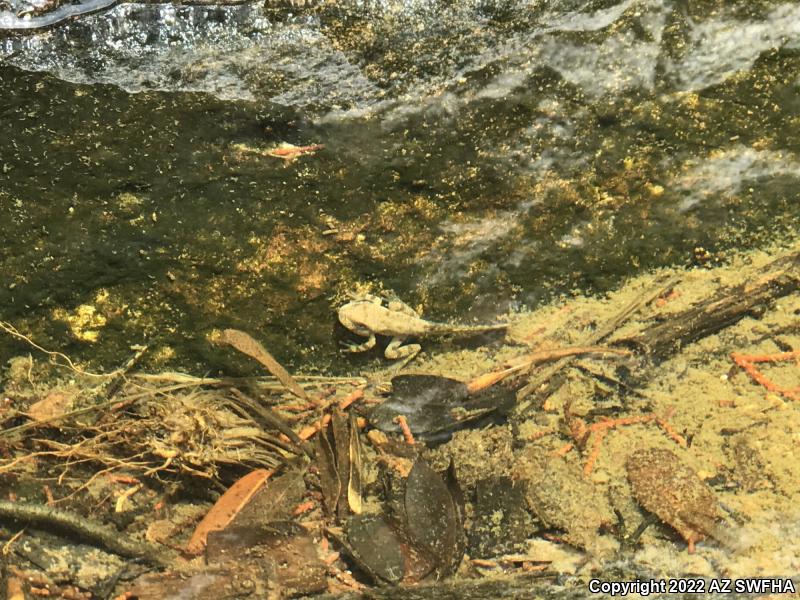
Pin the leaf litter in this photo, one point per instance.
(352, 509)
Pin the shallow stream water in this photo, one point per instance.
(479, 157)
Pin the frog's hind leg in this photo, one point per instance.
(396, 349)
(368, 345)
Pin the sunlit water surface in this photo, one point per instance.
(479, 157)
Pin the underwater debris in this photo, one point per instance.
(669, 488)
(290, 152)
(245, 344)
(748, 362)
(560, 497)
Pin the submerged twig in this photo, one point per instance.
(47, 518)
(264, 381)
(112, 386)
(11, 431)
(11, 330)
(271, 418)
(489, 379)
(545, 375)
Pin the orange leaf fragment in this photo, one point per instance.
(227, 507)
(311, 430)
(353, 396)
(291, 152)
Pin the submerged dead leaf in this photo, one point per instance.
(354, 491)
(561, 497)
(210, 584)
(226, 508)
(282, 555)
(435, 406)
(50, 407)
(339, 461)
(377, 549)
(273, 502)
(14, 588)
(245, 344)
(452, 560)
(434, 519)
(341, 450)
(329, 479)
(669, 488)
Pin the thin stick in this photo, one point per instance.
(626, 313)
(7, 546)
(262, 379)
(49, 421)
(311, 430)
(11, 330)
(489, 379)
(48, 519)
(113, 385)
(352, 397)
(82, 411)
(271, 418)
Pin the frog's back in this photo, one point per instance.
(382, 321)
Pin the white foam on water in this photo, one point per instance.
(721, 46)
(727, 171)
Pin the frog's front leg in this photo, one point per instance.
(356, 297)
(396, 349)
(394, 303)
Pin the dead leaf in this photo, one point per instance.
(376, 548)
(273, 502)
(283, 552)
(341, 450)
(14, 588)
(329, 479)
(354, 484)
(433, 518)
(226, 508)
(212, 583)
(50, 407)
(245, 344)
(290, 152)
